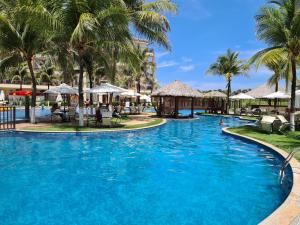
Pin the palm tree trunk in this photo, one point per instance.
(114, 72)
(21, 84)
(80, 92)
(114, 66)
(293, 94)
(276, 89)
(228, 96)
(90, 73)
(138, 89)
(33, 97)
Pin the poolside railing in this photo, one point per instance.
(7, 118)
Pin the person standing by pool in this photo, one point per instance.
(221, 123)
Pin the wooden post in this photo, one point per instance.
(192, 108)
(176, 107)
(160, 106)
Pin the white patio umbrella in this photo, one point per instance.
(242, 96)
(278, 95)
(130, 93)
(59, 98)
(2, 96)
(62, 89)
(106, 88)
(146, 98)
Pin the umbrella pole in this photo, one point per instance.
(64, 103)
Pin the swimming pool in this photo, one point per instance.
(185, 172)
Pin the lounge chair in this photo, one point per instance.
(266, 123)
(141, 108)
(256, 112)
(107, 118)
(56, 114)
(243, 111)
(133, 110)
(285, 125)
(72, 114)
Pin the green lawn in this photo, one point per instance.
(67, 127)
(285, 142)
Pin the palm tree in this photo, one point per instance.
(24, 30)
(90, 25)
(278, 25)
(46, 73)
(228, 65)
(20, 73)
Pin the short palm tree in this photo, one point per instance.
(47, 73)
(278, 25)
(20, 74)
(228, 65)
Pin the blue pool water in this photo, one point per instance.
(182, 173)
(20, 114)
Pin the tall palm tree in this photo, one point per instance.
(108, 24)
(24, 30)
(278, 25)
(228, 65)
(89, 25)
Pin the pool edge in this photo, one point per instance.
(164, 121)
(286, 213)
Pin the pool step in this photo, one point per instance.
(286, 163)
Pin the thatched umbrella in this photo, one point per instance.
(213, 98)
(215, 94)
(177, 90)
(263, 90)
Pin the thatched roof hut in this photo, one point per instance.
(214, 94)
(171, 96)
(177, 89)
(262, 91)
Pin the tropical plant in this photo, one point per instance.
(47, 73)
(25, 26)
(92, 26)
(228, 65)
(277, 62)
(89, 25)
(19, 74)
(278, 25)
(147, 68)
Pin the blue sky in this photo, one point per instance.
(204, 29)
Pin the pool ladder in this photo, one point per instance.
(286, 163)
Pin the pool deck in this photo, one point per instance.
(290, 208)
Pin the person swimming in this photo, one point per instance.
(221, 122)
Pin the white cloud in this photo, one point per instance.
(186, 59)
(166, 64)
(193, 10)
(187, 68)
(161, 54)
